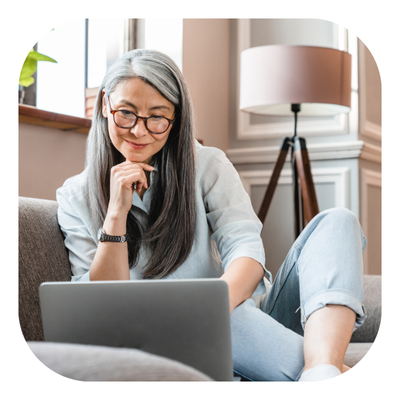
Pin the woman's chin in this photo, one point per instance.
(138, 159)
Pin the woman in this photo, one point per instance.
(153, 203)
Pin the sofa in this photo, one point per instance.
(43, 258)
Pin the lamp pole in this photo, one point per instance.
(297, 198)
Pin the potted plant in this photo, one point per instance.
(28, 69)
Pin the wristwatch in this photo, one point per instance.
(103, 237)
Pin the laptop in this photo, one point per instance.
(184, 320)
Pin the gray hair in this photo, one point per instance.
(176, 158)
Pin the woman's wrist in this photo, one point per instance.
(111, 258)
(242, 276)
(115, 223)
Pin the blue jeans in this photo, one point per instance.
(324, 266)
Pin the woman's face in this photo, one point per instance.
(137, 144)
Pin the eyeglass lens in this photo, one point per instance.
(154, 124)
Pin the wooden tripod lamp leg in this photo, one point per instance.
(274, 179)
(310, 204)
(298, 210)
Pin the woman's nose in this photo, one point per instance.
(139, 129)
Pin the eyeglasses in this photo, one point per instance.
(127, 120)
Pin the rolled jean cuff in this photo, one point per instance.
(336, 297)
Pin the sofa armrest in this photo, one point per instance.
(42, 258)
(101, 363)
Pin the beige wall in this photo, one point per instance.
(372, 89)
(206, 67)
(370, 183)
(47, 157)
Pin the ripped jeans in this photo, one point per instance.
(324, 266)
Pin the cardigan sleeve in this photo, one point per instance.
(79, 242)
(236, 228)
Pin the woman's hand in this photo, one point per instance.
(123, 178)
(111, 259)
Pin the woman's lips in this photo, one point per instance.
(137, 146)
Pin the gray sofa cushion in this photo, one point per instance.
(98, 363)
(372, 303)
(355, 352)
(42, 257)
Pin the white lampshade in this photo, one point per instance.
(274, 77)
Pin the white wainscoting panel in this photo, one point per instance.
(278, 233)
(339, 176)
(316, 151)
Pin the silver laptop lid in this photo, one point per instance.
(184, 320)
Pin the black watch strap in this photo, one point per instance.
(104, 237)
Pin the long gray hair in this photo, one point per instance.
(170, 232)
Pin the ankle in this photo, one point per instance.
(331, 359)
(320, 372)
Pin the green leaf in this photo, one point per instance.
(30, 67)
(40, 57)
(26, 81)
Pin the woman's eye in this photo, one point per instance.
(126, 112)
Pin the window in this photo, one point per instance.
(60, 87)
(166, 36)
(84, 49)
(105, 40)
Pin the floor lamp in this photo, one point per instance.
(284, 80)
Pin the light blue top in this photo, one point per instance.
(226, 225)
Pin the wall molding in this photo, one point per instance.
(370, 129)
(337, 125)
(368, 178)
(318, 151)
(339, 176)
(372, 153)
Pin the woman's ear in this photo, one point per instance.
(104, 105)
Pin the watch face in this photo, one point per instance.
(99, 234)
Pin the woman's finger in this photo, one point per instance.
(129, 169)
(128, 164)
(138, 180)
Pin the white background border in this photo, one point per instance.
(375, 23)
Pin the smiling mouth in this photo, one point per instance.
(136, 145)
